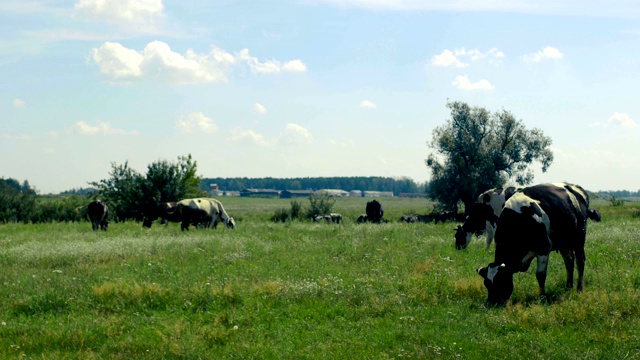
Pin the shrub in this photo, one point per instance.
(320, 204)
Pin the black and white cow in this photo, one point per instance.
(374, 211)
(166, 211)
(535, 221)
(99, 215)
(483, 217)
(203, 210)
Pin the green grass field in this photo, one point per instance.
(303, 290)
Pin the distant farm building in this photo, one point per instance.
(288, 194)
(355, 193)
(333, 192)
(377, 193)
(259, 193)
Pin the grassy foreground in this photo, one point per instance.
(304, 290)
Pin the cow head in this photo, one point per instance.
(498, 279)
(463, 238)
(230, 223)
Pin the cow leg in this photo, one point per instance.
(541, 272)
(185, 223)
(94, 226)
(581, 258)
(568, 257)
(490, 234)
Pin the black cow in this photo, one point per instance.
(99, 215)
(535, 221)
(362, 219)
(374, 211)
(483, 216)
(166, 211)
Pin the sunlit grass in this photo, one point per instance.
(305, 290)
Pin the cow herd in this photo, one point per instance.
(525, 222)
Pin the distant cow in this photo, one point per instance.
(207, 210)
(483, 216)
(167, 211)
(374, 211)
(362, 218)
(99, 215)
(333, 217)
(410, 218)
(535, 221)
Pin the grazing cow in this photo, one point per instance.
(443, 216)
(208, 210)
(410, 218)
(333, 217)
(483, 217)
(166, 211)
(535, 221)
(374, 211)
(99, 215)
(362, 219)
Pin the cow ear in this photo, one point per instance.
(483, 272)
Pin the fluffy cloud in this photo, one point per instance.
(17, 103)
(366, 104)
(125, 11)
(102, 128)
(622, 120)
(548, 53)
(239, 134)
(270, 66)
(157, 60)
(457, 57)
(294, 134)
(259, 109)
(196, 122)
(462, 82)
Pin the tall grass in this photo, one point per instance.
(305, 290)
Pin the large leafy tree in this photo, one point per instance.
(475, 151)
(132, 194)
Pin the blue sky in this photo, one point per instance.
(297, 88)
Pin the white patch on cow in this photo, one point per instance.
(520, 200)
(492, 271)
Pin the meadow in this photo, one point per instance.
(303, 290)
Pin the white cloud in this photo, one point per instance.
(117, 62)
(294, 134)
(366, 104)
(259, 109)
(270, 66)
(294, 66)
(548, 53)
(18, 103)
(458, 57)
(462, 82)
(102, 128)
(52, 134)
(125, 11)
(239, 134)
(158, 61)
(622, 120)
(447, 58)
(196, 122)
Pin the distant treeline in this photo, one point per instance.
(618, 194)
(373, 183)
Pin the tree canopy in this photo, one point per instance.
(131, 194)
(475, 151)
